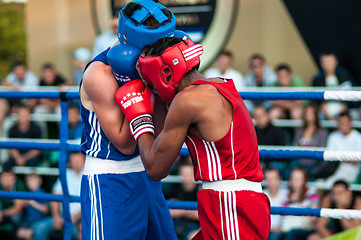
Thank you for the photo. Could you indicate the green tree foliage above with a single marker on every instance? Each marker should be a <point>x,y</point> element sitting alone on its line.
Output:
<point>12,36</point>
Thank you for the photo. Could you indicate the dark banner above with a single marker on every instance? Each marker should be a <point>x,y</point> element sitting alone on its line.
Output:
<point>333,26</point>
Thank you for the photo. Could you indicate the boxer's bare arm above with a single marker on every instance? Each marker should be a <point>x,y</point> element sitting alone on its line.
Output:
<point>158,155</point>
<point>204,112</point>
<point>97,95</point>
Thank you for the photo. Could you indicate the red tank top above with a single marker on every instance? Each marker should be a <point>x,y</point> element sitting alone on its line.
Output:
<point>235,155</point>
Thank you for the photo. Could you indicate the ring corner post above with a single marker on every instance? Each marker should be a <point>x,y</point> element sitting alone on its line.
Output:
<point>63,137</point>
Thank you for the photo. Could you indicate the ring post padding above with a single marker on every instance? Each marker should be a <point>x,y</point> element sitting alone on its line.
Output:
<point>63,137</point>
<point>72,95</point>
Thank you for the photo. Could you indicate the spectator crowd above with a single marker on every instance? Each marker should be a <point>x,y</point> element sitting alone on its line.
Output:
<point>288,182</point>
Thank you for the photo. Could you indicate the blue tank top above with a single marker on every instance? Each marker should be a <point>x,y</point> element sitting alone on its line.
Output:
<point>94,142</point>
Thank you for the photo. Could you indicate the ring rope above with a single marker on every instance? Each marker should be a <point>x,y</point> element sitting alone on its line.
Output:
<point>264,152</point>
<point>190,205</point>
<point>312,95</point>
<point>304,95</point>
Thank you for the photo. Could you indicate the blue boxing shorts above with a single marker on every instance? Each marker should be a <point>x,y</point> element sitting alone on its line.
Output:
<point>120,201</point>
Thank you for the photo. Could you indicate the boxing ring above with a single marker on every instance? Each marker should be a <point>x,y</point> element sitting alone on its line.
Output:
<point>63,146</point>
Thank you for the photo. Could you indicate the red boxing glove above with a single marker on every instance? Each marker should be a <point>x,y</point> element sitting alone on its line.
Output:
<point>137,103</point>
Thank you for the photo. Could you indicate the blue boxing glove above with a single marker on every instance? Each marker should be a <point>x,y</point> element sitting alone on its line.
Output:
<point>122,58</point>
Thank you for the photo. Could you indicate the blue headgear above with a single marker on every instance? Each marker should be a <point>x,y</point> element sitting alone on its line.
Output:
<point>140,35</point>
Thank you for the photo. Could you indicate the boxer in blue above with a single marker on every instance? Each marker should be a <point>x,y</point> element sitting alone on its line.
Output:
<point>118,199</point>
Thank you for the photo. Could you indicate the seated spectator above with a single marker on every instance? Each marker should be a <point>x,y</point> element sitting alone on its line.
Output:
<point>81,57</point>
<point>4,114</point>
<point>311,134</point>
<point>26,129</point>
<point>343,139</point>
<point>267,134</point>
<point>35,210</point>
<point>185,221</point>
<point>277,196</point>
<point>5,125</point>
<point>75,124</point>
<point>300,196</point>
<point>10,209</point>
<point>341,197</point>
<point>224,70</point>
<point>19,79</point>
<point>284,109</point>
<point>332,75</point>
<point>54,225</point>
<point>261,75</point>
<point>49,78</point>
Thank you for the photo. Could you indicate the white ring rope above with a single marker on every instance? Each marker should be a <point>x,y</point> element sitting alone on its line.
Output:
<point>342,95</point>
<point>341,156</point>
<point>340,213</point>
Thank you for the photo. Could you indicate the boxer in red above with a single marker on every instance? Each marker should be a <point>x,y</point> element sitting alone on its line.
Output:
<point>210,116</point>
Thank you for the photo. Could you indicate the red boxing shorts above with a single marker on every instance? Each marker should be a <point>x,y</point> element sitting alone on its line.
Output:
<point>233,215</point>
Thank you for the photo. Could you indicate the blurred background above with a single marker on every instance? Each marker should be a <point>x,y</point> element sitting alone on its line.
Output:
<point>271,45</point>
<point>294,31</point>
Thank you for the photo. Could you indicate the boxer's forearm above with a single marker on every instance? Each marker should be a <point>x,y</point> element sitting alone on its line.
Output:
<point>145,142</point>
<point>157,155</point>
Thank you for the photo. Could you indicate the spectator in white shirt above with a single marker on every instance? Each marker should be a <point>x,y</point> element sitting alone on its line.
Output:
<point>261,74</point>
<point>277,197</point>
<point>55,224</point>
<point>224,70</point>
<point>344,139</point>
<point>21,77</point>
<point>106,39</point>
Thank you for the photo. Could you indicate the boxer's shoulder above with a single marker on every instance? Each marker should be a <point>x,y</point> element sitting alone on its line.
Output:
<point>96,67</point>
<point>194,99</point>
<point>97,80</point>
<point>198,94</point>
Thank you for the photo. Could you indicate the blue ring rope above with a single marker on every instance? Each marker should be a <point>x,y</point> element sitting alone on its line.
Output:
<point>187,205</point>
<point>23,94</point>
<point>263,153</point>
<point>280,154</point>
<point>283,95</point>
<point>245,95</point>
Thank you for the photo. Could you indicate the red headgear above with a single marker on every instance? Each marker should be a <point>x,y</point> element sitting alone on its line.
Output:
<point>165,71</point>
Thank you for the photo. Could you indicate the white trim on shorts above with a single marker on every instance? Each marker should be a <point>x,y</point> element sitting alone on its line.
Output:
<point>233,185</point>
<point>101,166</point>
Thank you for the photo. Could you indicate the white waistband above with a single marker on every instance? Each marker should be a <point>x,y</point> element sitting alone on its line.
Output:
<point>102,166</point>
<point>233,185</point>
